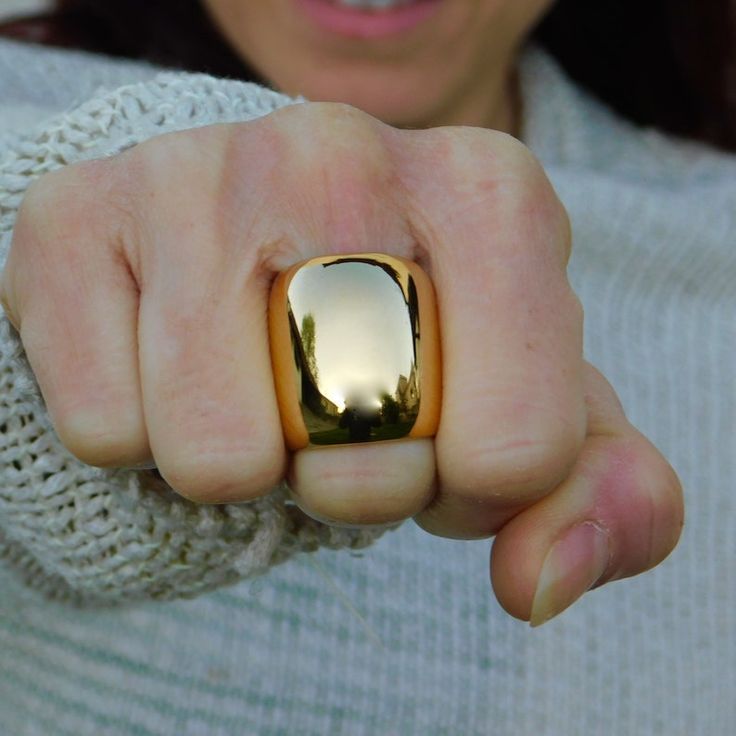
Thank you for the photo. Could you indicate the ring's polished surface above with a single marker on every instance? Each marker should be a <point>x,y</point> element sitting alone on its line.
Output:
<point>355,350</point>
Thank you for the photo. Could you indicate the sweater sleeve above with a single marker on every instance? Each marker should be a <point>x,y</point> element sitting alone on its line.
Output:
<point>88,535</point>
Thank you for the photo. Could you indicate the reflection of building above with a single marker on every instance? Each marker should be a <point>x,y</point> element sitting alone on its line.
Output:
<point>407,392</point>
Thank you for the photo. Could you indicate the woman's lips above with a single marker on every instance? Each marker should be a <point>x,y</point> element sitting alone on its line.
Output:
<point>360,23</point>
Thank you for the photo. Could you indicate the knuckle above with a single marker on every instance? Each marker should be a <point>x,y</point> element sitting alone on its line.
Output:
<point>46,191</point>
<point>173,172</point>
<point>533,201</point>
<point>330,134</point>
<point>176,150</point>
<point>324,118</point>
<point>57,190</point>
<point>484,166</point>
<point>254,150</point>
<point>291,162</point>
<point>470,151</point>
<point>64,215</point>
<point>61,204</point>
<point>329,165</point>
<point>341,112</point>
<point>41,211</point>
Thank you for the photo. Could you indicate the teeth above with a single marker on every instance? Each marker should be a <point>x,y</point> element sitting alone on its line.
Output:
<point>373,4</point>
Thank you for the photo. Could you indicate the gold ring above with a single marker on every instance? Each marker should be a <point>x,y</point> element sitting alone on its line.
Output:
<point>355,350</point>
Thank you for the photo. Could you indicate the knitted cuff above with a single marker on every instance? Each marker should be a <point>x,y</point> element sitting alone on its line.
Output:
<point>89,535</point>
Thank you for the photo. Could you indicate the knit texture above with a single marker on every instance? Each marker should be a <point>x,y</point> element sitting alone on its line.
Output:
<point>88,534</point>
<point>430,652</point>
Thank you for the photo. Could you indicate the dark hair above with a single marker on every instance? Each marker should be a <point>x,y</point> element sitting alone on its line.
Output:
<point>668,63</point>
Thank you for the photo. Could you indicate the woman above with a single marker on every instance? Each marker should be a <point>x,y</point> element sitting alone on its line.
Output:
<point>533,446</point>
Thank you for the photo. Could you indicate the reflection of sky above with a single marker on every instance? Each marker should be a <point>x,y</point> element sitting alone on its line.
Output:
<point>362,330</point>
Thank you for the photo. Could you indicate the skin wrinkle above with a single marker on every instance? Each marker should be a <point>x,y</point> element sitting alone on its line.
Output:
<point>357,474</point>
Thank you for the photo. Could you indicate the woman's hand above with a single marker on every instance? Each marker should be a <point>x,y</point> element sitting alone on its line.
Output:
<point>139,285</point>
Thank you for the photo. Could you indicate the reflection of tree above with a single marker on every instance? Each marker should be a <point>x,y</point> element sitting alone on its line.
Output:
<point>309,341</point>
<point>390,409</point>
<point>309,394</point>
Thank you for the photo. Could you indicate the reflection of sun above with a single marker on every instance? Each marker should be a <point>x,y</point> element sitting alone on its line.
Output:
<point>337,397</point>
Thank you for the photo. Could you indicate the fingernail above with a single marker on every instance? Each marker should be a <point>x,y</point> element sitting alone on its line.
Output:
<point>572,566</point>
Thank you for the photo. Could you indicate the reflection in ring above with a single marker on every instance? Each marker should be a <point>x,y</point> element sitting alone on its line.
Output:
<point>355,333</point>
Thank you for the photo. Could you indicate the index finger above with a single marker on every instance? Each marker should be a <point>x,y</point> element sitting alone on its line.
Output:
<point>513,414</point>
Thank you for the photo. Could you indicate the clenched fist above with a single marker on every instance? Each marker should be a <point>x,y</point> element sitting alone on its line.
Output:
<point>139,285</point>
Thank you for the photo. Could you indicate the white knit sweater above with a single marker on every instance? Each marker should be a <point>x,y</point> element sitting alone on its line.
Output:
<point>655,266</point>
<point>91,535</point>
